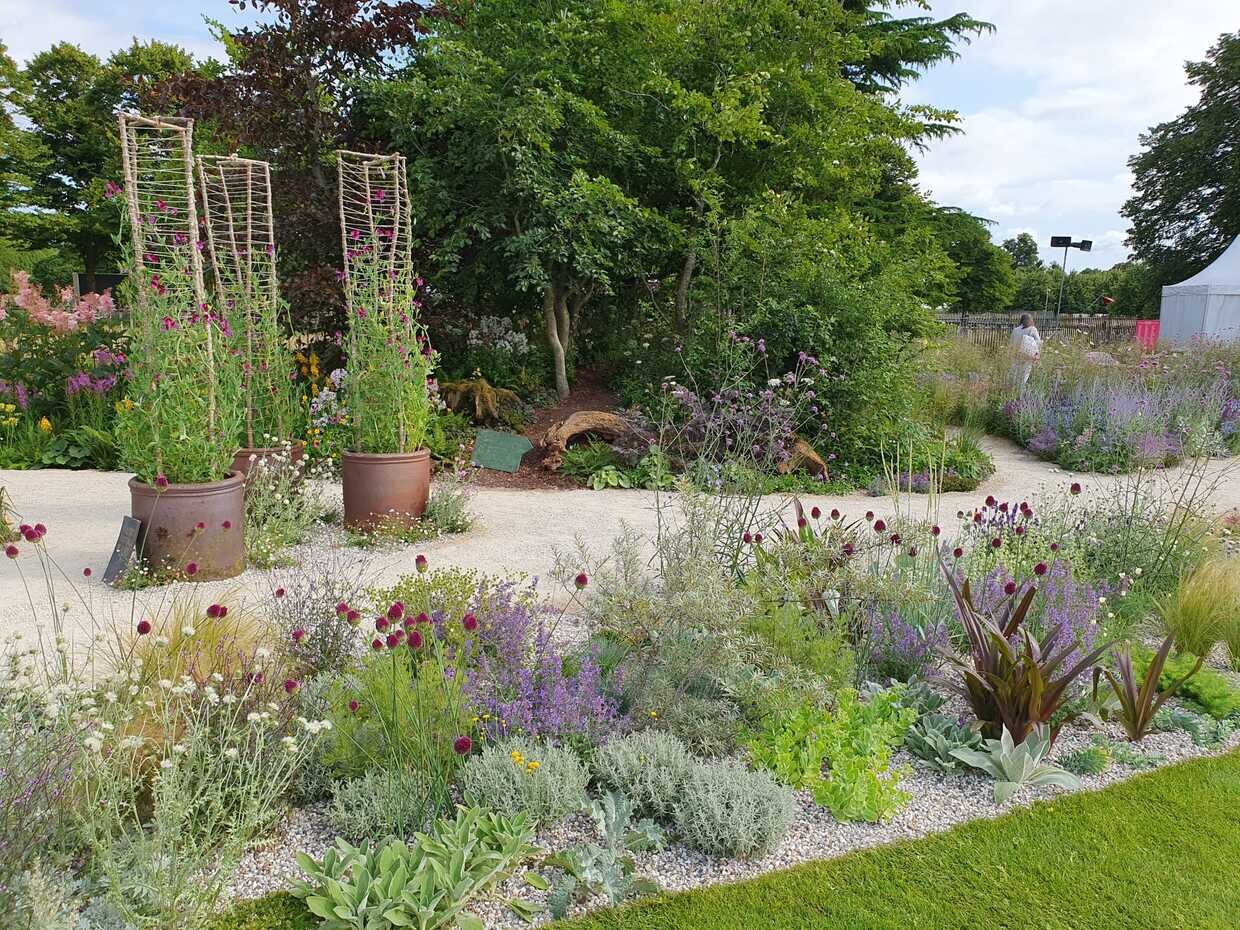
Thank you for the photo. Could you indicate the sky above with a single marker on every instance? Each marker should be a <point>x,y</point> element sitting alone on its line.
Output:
<point>1052,104</point>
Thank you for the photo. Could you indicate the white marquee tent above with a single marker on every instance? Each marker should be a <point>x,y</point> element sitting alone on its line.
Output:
<point>1207,305</point>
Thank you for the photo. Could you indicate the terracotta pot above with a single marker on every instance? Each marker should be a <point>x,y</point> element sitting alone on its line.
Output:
<point>170,539</point>
<point>246,457</point>
<point>384,488</point>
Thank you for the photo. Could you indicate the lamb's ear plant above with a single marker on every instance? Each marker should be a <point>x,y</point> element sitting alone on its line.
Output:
<point>1140,701</point>
<point>1014,766</point>
<point>426,884</point>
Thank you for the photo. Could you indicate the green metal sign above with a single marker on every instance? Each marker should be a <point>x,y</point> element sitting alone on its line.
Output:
<point>500,451</point>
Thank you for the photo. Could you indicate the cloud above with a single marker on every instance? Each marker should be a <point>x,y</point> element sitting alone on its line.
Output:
<point>31,26</point>
<point>1053,104</point>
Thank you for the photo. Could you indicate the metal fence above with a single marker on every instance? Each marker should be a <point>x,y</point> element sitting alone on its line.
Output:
<point>994,330</point>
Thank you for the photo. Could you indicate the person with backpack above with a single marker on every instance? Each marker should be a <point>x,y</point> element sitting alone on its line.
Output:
<point>1026,348</point>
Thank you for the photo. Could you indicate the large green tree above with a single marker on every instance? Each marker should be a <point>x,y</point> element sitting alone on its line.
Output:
<point>286,93</point>
<point>1024,251</point>
<point>985,282</point>
<point>69,99</point>
<point>564,150</point>
<point>1186,205</point>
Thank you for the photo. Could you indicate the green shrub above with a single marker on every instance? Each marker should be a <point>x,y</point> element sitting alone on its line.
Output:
<point>1092,760</point>
<point>450,589</point>
<point>649,767</point>
<point>856,739</point>
<point>726,810</point>
<point>381,804</point>
<point>544,782</point>
<point>1209,689</point>
<point>279,911</point>
<point>791,635</point>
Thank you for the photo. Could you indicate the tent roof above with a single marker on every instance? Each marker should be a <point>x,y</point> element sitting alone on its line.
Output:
<point>1220,276</point>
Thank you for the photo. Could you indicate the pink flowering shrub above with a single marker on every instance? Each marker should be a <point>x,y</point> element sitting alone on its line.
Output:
<point>63,359</point>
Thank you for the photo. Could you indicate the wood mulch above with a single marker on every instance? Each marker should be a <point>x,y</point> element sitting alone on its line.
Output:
<point>589,392</point>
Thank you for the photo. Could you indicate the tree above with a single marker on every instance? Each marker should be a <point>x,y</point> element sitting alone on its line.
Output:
<point>1024,251</point>
<point>652,123</point>
<point>70,99</point>
<point>1186,207</point>
<point>985,281</point>
<point>286,94</point>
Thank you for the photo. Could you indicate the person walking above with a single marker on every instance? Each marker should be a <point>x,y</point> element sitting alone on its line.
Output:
<point>1026,348</point>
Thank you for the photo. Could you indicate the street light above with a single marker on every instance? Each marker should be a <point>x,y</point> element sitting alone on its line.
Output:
<point>1065,243</point>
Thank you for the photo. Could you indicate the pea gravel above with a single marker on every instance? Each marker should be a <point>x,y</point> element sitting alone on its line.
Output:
<point>939,802</point>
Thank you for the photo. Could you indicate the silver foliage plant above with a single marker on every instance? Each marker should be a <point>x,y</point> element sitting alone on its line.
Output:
<point>1015,766</point>
<point>649,767</point>
<point>380,804</point>
<point>728,810</point>
<point>517,776</point>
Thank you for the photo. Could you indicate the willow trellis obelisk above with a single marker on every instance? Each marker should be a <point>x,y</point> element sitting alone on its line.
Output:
<point>157,160</point>
<point>236,196</point>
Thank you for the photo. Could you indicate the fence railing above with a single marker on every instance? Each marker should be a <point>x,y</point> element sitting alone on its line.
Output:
<point>994,330</point>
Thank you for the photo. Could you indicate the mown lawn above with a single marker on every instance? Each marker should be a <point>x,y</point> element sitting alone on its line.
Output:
<point>1158,852</point>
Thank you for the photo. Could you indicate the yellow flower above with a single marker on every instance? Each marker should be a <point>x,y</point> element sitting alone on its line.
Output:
<point>45,425</point>
<point>533,766</point>
<point>654,714</point>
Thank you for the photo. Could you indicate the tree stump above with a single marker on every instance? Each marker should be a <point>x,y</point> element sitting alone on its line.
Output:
<point>611,427</point>
<point>484,403</point>
<point>802,457</point>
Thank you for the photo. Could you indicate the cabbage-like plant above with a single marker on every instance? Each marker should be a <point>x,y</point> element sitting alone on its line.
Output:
<point>1014,766</point>
<point>1139,702</point>
<point>1012,680</point>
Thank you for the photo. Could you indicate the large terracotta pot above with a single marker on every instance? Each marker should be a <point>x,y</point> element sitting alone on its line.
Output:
<point>245,458</point>
<point>384,488</point>
<point>170,538</point>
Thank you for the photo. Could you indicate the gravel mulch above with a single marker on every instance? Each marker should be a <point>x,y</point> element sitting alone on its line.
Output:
<point>939,802</point>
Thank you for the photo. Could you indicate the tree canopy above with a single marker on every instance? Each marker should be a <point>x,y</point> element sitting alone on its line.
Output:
<point>59,167</point>
<point>564,150</point>
<point>1186,207</point>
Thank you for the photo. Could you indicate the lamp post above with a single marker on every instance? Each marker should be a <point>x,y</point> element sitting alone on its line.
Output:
<point>1065,243</point>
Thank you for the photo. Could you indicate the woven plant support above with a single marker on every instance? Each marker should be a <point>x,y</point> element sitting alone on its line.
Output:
<point>157,160</point>
<point>236,197</point>
<point>373,193</point>
<point>377,239</point>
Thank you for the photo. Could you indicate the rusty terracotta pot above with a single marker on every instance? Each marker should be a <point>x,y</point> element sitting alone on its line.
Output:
<point>170,538</point>
<point>246,457</point>
<point>384,487</point>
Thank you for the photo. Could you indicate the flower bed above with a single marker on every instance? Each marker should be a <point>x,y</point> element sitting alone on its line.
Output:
<point>773,688</point>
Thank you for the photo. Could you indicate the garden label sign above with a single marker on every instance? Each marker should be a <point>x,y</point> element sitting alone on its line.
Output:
<point>500,451</point>
<point>122,552</point>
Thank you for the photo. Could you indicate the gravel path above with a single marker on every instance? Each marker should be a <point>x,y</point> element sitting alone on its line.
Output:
<point>939,802</point>
<point>516,532</point>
